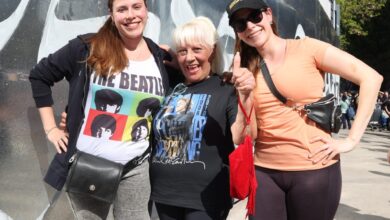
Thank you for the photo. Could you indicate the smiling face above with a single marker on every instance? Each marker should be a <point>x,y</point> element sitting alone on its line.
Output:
<point>130,18</point>
<point>196,44</point>
<point>255,34</point>
<point>195,61</point>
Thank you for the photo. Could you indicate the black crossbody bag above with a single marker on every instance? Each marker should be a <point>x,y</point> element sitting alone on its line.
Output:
<point>324,111</point>
<point>98,177</point>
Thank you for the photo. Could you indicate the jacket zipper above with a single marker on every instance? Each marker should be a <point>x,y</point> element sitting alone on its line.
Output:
<point>82,112</point>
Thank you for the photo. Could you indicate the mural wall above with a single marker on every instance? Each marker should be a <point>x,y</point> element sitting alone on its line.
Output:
<point>31,29</point>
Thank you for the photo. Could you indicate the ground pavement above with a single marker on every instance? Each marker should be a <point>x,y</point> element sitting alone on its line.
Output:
<point>366,180</point>
<point>365,194</point>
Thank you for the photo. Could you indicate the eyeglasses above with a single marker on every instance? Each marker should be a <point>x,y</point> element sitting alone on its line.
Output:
<point>239,25</point>
<point>178,90</point>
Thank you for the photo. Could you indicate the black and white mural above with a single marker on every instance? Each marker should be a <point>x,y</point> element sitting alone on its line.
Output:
<point>32,29</point>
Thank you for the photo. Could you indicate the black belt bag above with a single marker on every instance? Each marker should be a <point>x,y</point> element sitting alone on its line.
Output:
<point>98,177</point>
<point>324,111</point>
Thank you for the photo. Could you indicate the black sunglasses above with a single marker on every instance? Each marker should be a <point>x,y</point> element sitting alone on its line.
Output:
<point>255,16</point>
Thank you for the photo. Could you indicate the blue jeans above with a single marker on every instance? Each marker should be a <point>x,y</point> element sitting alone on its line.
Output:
<point>346,121</point>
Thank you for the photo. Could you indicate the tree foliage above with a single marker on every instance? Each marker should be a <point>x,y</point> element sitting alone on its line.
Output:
<point>365,33</point>
<point>356,15</point>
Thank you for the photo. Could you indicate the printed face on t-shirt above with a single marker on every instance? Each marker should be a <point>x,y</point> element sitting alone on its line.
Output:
<point>104,133</point>
<point>148,113</point>
<point>142,132</point>
<point>182,105</point>
<point>112,108</point>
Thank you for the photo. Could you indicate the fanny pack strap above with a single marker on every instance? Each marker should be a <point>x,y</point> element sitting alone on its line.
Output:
<point>270,83</point>
<point>129,165</point>
<point>136,161</point>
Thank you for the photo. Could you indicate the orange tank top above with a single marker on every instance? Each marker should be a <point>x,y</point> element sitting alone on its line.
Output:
<point>283,132</point>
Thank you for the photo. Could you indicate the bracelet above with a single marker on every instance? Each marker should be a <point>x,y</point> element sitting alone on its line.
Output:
<point>49,130</point>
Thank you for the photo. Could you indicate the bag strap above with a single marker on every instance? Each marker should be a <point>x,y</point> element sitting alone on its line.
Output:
<point>247,117</point>
<point>270,83</point>
<point>129,165</point>
<point>247,143</point>
<point>136,161</point>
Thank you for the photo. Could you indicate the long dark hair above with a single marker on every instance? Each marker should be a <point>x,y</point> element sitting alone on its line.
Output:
<point>106,53</point>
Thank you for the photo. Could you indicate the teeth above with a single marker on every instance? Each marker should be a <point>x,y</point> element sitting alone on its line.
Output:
<point>192,66</point>
<point>255,33</point>
<point>131,24</point>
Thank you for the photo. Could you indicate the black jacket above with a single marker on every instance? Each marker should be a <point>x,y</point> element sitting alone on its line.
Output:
<point>69,63</point>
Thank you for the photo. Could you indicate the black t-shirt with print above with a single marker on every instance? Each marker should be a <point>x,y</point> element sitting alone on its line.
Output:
<point>192,143</point>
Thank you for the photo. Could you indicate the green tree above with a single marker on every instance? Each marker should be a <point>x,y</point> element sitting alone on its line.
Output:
<point>365,33</point>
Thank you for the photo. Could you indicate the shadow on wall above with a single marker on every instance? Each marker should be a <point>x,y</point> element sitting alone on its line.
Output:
<point>346,212</point>
<point>40,144</point>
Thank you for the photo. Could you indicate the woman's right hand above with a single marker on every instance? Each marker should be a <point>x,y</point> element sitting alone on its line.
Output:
<point>173,61</point>
<point>59,138</point>
<point>62,124</point>
<point>242,78</point>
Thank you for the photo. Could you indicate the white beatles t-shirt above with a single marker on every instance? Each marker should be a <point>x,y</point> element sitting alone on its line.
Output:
<point>118,112</point>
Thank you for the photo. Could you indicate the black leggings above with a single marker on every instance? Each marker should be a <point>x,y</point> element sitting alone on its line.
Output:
<point>297,195</point>
<point>168,212</point>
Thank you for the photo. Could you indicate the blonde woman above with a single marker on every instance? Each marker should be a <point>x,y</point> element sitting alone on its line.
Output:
<point>189,166</point>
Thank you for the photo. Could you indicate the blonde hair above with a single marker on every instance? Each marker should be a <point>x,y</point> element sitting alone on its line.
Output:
<point>200,30</point>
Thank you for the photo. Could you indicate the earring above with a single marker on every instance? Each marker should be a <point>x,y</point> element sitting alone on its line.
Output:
<point>271,23</point>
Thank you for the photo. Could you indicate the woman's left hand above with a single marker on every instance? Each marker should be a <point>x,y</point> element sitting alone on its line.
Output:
<point>330,148</point>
